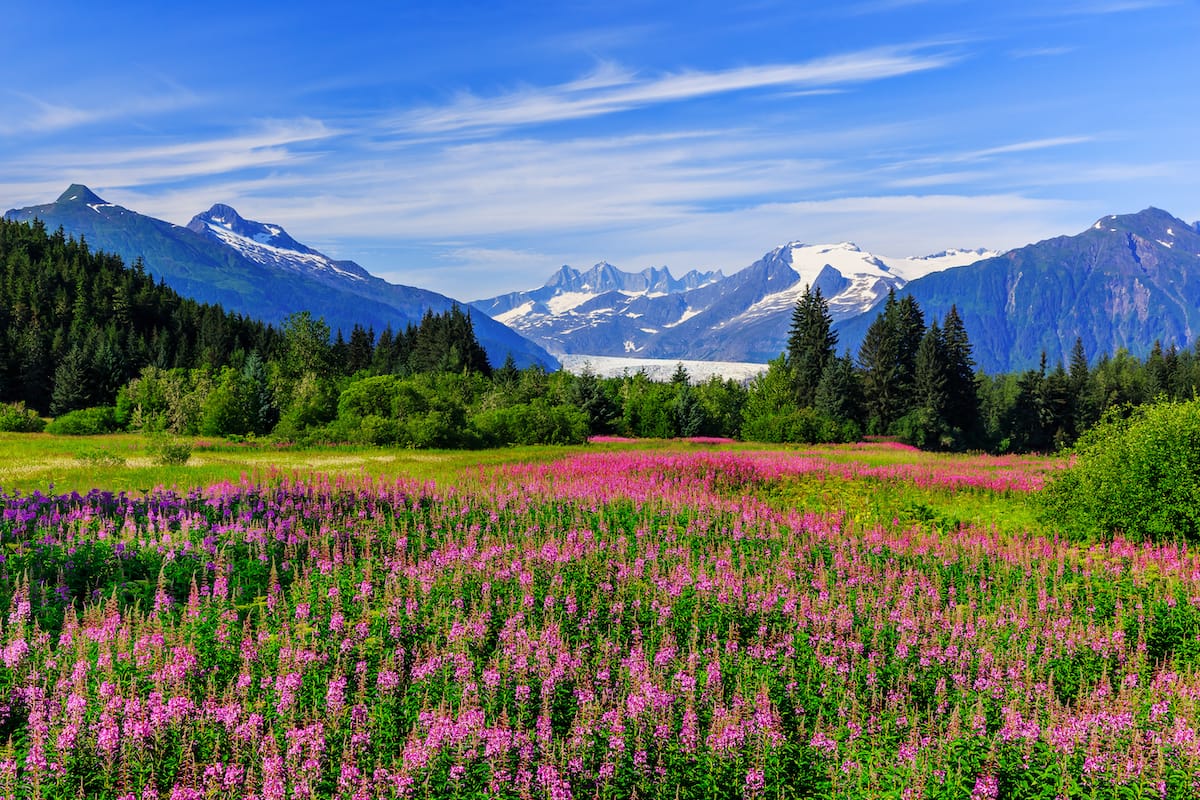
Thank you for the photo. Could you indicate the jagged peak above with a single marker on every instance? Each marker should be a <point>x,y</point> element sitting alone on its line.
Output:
<point>222,215</point>
<point>78,193</point>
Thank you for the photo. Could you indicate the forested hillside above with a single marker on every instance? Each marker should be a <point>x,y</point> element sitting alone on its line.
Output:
<point>77,325</point>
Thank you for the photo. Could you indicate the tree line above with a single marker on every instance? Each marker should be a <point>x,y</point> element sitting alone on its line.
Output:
<point>101,346</point>
<point>917,382</point>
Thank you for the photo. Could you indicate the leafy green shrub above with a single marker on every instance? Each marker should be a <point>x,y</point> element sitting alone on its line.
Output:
<point>85,422</point>
<point>170,451</point>
<point>532,423</point>
<point>16,418</point>
<point>798,425</point>
<point>1138,476</point>
<point>99,458</point>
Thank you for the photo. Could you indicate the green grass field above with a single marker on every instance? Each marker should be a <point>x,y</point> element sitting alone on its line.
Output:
<point>126,463</point>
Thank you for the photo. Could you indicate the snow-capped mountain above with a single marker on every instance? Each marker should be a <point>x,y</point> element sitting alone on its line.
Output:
<point>706,315</point>
<point>258,270</point>
<point>270,245</point>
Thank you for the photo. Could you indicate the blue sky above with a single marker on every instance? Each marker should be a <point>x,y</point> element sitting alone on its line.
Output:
<point>472,148</point>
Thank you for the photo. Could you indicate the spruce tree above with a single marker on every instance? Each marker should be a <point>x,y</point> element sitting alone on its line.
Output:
<point>962,412</point>
<point>839,395</point>
<point>811,343</point>
<point>908,326</point>
<point>70,383</point>
<point>1086,410</point>
<point>877,357</point>
<point>926,424</point>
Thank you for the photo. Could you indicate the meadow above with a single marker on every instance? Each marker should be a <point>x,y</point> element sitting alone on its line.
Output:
<point>661,620</point>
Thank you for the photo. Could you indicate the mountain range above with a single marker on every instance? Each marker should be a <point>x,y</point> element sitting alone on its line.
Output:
<point>257,269</point>
<point>1125,282</point>
<point>706,315</point>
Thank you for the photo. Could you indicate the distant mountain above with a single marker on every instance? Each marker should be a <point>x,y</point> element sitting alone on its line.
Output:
<point>705,315</point>
<point>259,270</point>
<point>1125,282</point>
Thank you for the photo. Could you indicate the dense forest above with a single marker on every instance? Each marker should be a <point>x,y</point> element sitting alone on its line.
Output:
<point>100,346</point>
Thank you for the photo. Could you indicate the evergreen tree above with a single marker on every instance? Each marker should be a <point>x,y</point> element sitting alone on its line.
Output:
<point>588,395</point>
<point>879,359</point>
<point>839,395</point>
<point>383,359</point>
<point>1026,420</point>
<point>908,326</point>
<point>1059,409</point>
<point>261,410</point>
<point>33,365</point>
<point>446,343</point>
<point>925,425</point>
<point>1085,409</point>
<point>961,413</point>
<point>508,374</point>
<point>360,351</point>
<point>690,419</point>
<point>811,343</point>
<point>70,383</point>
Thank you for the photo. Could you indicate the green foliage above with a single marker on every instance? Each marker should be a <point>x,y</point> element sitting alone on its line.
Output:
<point>537,422</point>
<point>168,450</point>
<point>75,324</point>
<point>888,358</point>
<point>85,422</point>
<point>770,413</point>
<point>1138,476</point>
<point>99,457</point>
<point>647,408</point>
<point>227,408</point>
<point>16,418</point>
<point>799,425</point>
<point>590,395</point>
<point>811,343</point>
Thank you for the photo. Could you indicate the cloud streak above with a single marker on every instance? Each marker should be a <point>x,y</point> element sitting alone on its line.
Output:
<point>38,115</point>
<point>611,90</point>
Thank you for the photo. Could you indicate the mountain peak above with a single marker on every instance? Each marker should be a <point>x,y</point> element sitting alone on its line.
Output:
<point>78,193</point>
<point>226,217</point>
<point>222,214</point>
<point>1150,223</point>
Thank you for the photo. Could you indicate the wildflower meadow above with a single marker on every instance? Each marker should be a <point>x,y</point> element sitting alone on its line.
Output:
<point>609,624</point>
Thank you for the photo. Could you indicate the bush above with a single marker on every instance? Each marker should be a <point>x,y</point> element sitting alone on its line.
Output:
<point>1138,476</point>
<point>85,422</point>
<point>170,451</point>
<point>798,425</point>
<point>532,423</point>
<point>16,418</point>
<point>99,458</point>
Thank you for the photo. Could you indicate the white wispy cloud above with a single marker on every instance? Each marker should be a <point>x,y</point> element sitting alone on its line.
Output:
<point>611,90</point>
<point>25,113</point>
<point>270,143</point>
<point>990,153</point>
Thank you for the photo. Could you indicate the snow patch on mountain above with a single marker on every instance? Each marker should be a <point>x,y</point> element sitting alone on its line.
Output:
<point>607,311</point>
<point>285,258</point>
<point>270,245</point>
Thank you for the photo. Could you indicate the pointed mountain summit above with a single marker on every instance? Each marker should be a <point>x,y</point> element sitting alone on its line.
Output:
<point>226,217</point>
<point>78,193</point>
<point>258,270</point>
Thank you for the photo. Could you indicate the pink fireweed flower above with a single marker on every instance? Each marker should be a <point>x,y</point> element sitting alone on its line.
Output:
<point>986,788</point>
